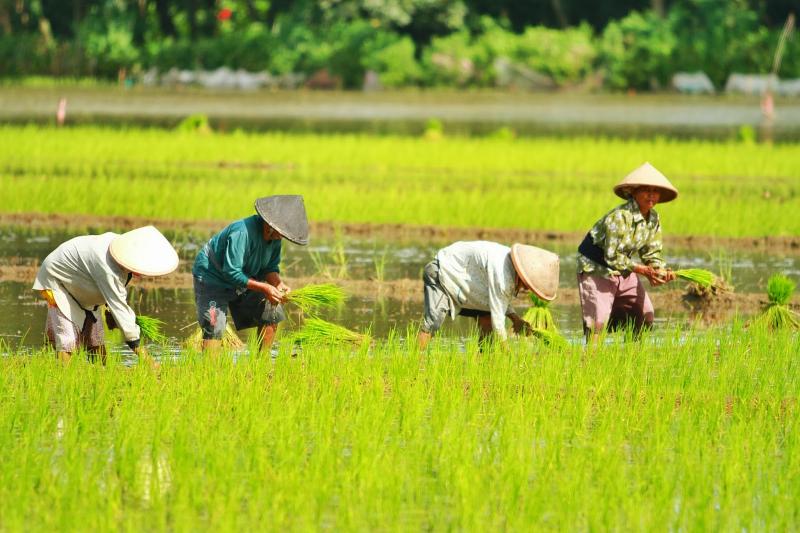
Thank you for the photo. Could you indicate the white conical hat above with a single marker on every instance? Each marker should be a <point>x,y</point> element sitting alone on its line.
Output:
<point>648,175</point>
<point>144,251</point>
<point>537,268</point>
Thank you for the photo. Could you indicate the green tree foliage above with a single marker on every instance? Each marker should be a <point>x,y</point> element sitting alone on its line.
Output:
<point>635,43</point>
<point>636,51</point>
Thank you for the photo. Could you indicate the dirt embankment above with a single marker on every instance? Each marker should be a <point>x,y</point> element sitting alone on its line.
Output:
<point>782,245</point>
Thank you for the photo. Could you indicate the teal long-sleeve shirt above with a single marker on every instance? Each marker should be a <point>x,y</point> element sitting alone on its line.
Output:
<point>240,253</point>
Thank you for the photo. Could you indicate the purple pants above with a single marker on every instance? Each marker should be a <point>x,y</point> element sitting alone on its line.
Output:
<point>614,302</point>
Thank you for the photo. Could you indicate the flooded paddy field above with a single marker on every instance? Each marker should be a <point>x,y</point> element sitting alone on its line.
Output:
<point>383,278</point>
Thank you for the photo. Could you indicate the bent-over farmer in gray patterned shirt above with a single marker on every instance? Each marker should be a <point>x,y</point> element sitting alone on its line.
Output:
<point>480,279</point>
<point>610,291</point>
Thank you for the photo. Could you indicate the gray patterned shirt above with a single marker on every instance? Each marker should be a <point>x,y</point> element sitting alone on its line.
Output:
<point>620,233</point>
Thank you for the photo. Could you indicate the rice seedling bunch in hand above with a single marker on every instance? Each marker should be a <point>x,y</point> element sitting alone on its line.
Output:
<point>704,278</point>
<point>777,315</point>
<point>539,315</point>
<point>703,283</point>
<point>318,331</point>
<point>312,297</point>
<point>549,337</point>
<point>150,328</point>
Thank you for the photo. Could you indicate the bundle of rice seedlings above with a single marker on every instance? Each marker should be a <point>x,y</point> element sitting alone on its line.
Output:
<point>150,328</point>
<point>777,315</point>
<point>539,315</point>
<point>312,297</point>
<point>703,278</point>
<point>550,337</point>
<point>230,340</point>
<point>318,331</point>
<point>703,283</point>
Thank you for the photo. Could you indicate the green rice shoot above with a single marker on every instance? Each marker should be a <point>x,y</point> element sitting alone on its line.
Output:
<point>777,315</point>
<point>780,289</point>
<point>550,337</point>
<point>150,328</point>
<point>312,297</point>
<point>230,340</point>
<point>316,331</point>
<point>705,278</point>
<point>539,315</point>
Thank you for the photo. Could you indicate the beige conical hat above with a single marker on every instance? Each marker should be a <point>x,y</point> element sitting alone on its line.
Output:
<point>144,251</point>
<point>649,175</point>
<point>537,268</point>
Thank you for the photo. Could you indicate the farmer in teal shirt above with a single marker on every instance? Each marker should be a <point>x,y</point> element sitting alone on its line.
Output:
<point>239,268</point>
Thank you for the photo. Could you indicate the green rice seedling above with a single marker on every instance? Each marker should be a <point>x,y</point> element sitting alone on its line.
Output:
<point>150,328</point>
<point>780,289</point>
<point>550,337</point>
<point>311,297</point>
<point>777,315</point>
<point>539,315</point>
<point>230,340</point>
<point>704,278</point>
<point>703,283</point>
<point>336,170</point>
<point>316,331</point>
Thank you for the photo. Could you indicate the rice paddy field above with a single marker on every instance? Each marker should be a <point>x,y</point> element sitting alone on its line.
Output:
<point>696,432</point>
<point>728,189</point>
<point>693,427</point>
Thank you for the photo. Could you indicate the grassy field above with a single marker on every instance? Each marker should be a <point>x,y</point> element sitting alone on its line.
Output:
<point>697,432</point>
<point>728,189</point>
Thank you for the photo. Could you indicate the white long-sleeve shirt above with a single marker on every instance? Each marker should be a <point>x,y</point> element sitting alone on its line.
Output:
<point>83,275</point>
<point>479,275</point>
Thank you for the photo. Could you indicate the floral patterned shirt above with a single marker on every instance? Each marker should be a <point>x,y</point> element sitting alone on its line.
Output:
<point>621,232</point>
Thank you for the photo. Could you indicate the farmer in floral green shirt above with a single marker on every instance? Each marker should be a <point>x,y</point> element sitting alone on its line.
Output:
<point>611,294</point>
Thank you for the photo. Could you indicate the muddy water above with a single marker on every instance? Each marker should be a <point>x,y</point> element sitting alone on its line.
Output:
<point>353,259</point>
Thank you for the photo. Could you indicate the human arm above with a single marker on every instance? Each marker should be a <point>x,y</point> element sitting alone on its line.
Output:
<point>519,325</point>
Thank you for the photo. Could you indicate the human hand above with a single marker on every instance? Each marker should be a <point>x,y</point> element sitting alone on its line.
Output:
<point>521,327</point>
<point>273,294</point>
<point>284,288</point>
<point>655,277</point>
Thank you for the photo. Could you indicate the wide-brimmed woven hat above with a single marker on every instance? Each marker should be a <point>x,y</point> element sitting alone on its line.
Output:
<point>144,251</point>
<point>537,268</point>
<point>287,214</point>
<point>647,175</point>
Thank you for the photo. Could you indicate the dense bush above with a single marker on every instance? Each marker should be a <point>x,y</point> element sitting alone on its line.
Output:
<point>565,55</point>
<point>641,50</point>
<point>636,51</point>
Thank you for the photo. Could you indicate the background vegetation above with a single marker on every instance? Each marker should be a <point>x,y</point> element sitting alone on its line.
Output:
<point>467,43</point>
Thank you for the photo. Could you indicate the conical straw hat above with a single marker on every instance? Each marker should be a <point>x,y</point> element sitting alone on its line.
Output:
<point>648,175</point>
<point>537,268</point>
<point>287,214</point>
<point>144,251</point>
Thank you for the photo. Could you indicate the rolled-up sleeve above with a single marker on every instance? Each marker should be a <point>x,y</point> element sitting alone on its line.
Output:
<point>617,226</point>
<point>233,261</point>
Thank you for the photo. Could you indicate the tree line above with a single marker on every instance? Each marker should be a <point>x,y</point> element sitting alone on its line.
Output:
<point>617,43</point>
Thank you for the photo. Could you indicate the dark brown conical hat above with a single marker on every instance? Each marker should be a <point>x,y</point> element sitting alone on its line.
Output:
<point>287,214</point>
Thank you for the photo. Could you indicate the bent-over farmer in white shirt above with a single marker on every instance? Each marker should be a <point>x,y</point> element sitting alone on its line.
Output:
<point>480,279</point>
<point>93,270</point>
